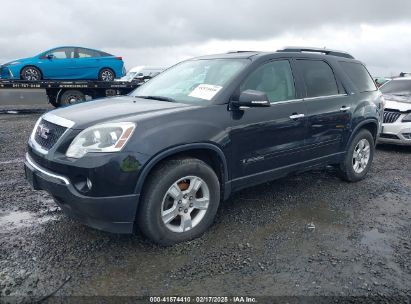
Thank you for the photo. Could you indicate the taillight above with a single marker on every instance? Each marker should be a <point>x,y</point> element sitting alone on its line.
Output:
<point>119,58</point>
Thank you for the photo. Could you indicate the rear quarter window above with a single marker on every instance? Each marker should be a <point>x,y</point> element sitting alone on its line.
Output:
<point>104,54</point>
<point>359,76</point>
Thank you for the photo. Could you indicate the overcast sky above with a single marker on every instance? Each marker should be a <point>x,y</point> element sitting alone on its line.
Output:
<point>163,32</point>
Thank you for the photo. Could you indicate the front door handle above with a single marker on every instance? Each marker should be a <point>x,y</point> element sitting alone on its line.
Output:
<point>344,108</point>
<point>296,116</point>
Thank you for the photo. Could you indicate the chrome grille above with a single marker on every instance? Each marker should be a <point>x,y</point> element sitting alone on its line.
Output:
<point>47,134</point>
<point>390,117</point>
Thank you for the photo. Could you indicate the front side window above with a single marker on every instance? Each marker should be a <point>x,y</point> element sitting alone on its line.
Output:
<point>318,77</point>
<point>62,53</point>
<point>359,76</point>
<point>193,81</point>
<point>274,78</point>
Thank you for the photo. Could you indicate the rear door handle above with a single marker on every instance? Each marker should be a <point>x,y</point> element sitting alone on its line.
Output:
<point>296,116</point>
<point>344,108</point>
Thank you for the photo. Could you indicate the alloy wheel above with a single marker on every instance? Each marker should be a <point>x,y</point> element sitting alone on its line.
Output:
<point>31,74</point>
<point>361,156</point>
<point>185,204</point>
<point>107,75</point>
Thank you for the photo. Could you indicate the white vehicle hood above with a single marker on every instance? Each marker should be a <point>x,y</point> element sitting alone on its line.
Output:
<point>400,103</point>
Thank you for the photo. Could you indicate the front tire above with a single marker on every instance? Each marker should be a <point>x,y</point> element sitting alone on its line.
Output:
<point>358,158</point>
<point>30,73</point>
<point>179,202</point>
<point>106,74</point>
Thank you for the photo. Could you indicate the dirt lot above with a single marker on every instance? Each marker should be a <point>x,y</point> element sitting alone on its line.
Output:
<point>310,234</point>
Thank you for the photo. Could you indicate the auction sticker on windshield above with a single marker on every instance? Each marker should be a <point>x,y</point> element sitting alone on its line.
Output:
<point>205,91</point>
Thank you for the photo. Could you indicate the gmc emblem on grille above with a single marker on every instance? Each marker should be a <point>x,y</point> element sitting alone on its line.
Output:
<point>43,132</point>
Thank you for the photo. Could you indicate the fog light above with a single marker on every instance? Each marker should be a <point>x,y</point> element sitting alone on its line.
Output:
<point>407,135</point>
<point>82,183</point>
<point>89,183</point>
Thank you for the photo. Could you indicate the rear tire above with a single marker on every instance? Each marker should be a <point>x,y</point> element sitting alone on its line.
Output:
<point>359,156</point>
<point>71,97</point>
<point>106,74</point>
<point>30,73</point>
<point>179,202</point>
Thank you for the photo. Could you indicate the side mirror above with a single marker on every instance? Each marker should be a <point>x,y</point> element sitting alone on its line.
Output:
<point>50,56</point>
<point>251,99</point>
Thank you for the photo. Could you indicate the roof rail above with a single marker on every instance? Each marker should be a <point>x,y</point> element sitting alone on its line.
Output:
<point>316,50</point>
<point>235,51</point>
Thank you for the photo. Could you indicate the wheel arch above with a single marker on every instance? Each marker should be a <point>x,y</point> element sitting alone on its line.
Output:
<point>207,152</point>
<point>370,124</point>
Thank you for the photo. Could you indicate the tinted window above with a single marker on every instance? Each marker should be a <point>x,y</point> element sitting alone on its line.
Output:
<point>274,78</point>
<point>62,53</point>
<point>84,53</point>
<point>359,76</point>
<point>318,77</point>
<point>104,54</point>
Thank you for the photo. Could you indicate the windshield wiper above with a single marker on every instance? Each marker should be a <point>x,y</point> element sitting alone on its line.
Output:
<point>154,97</point>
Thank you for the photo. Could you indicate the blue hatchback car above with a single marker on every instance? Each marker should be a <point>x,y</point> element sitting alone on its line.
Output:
<point>68,62</point>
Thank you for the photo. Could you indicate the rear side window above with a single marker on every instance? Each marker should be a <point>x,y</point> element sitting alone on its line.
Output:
<point>86,53</point>
<point>318,77</point>
<point>359,76</point>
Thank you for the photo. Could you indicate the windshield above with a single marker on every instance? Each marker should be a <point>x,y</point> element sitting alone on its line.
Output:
<point>397,87</point>
<point>193,81</point>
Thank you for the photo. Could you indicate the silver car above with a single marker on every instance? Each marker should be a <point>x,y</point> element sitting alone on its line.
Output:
<point>396,128</point>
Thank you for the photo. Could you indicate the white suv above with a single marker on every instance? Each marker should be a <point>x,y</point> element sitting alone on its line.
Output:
<point>397,113</point>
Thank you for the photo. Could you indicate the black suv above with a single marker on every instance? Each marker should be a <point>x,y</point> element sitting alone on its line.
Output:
<point>163,157</point>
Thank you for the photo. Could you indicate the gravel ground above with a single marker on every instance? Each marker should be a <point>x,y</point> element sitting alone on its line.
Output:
<point>305,235</point>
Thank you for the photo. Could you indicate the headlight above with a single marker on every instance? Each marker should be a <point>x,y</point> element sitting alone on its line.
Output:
<point>407,118</point>
<point>110,137</point>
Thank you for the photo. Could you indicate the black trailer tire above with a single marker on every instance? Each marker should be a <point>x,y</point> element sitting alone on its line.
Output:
<point>30,73</point>
<point>169,213</point>
<point>359,156</point>
<point>106,74</point>
<point>71,97</point>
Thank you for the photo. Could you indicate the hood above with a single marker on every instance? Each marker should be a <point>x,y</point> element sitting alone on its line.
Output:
<point>22,60</point>
<point>124,108</point>
<point>395,102</point>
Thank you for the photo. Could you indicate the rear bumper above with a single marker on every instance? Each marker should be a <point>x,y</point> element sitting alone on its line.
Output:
<point>113,214</point>
<point>398,133</point>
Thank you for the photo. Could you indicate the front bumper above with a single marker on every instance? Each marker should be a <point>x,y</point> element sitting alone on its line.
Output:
<point>398,133</point>
<point>6,72</point>
<point>113,214</point>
